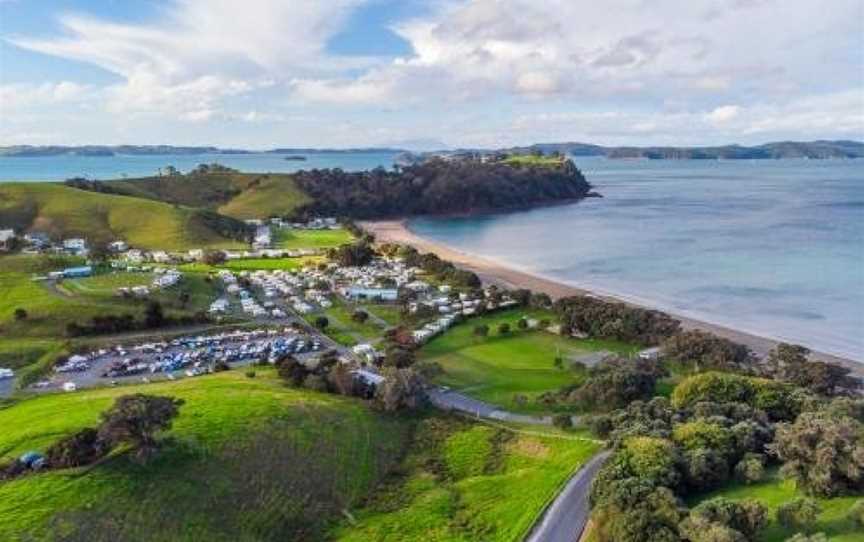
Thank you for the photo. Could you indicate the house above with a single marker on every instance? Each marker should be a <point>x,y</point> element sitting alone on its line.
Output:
<point>196,254</point>
<point>118,246</point>
<point>77,272</point>
<point>37,239</point>
<point>650,354</point>
<point>375,294</point>
<point>134,255</point>
<point>76,246</point>
<point>160,256</point>
<point>7,238</point>
<point>368,377</point>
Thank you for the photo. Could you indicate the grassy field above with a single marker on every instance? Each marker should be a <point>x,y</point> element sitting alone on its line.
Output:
<point>247,459</point>
<point>775,491</point>
<point>65,212</point>
<point>271,195</point>
<point>531,160</point>
<point>310,239</point>
<point>465,482</point>
<point>253,264</point>
<point>239,195</point>
<point>496,368</point>
<point>346,331</point>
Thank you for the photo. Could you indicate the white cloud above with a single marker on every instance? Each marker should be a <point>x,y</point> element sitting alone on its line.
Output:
<point>24,95</point>
<point>634,49</point>
<point>722,114</point>
<point>204,50</point>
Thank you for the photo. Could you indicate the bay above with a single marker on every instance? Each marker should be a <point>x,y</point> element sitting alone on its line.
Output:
<point>775,248</point>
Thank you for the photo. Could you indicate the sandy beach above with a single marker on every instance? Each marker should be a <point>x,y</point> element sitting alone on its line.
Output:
<point>396,231</point>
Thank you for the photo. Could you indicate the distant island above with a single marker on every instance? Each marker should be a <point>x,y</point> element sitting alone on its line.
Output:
<point>820,149</point>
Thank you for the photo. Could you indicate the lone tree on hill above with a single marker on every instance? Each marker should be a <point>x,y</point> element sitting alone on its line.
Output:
<point>136,419</point>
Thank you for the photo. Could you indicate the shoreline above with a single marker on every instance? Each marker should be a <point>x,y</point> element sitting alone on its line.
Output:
<point>492,272</point>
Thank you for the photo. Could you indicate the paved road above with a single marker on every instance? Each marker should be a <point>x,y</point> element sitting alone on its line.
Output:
<point>566,517</point>
<point>453,400</point>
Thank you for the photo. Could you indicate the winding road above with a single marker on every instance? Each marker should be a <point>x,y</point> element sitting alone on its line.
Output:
<point>565,518</point>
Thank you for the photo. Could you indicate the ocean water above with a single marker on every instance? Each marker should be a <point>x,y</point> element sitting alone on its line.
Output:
<point>58,168</point>
<point>771,247</point>
<point>775,248</point>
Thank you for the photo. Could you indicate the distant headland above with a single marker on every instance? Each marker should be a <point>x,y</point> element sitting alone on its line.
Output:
<point>819,149</point>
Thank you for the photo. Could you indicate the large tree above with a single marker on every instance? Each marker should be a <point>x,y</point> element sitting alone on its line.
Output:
<point>136,420</point>
<point>823,453</point>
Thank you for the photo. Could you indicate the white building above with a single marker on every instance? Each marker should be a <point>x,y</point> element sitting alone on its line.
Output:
<point>6,238</point>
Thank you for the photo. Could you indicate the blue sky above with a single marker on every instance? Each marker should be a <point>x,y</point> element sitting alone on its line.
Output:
<point>266,73</point>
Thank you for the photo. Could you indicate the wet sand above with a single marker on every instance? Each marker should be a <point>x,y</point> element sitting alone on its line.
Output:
<point>395,231</point>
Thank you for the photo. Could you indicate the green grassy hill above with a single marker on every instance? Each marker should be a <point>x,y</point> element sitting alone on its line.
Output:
<point>247,459</point>
<point>234,194</point>
<point>64,212</point>
<point>464,482</point>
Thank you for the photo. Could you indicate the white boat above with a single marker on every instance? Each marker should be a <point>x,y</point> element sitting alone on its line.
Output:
<point>6,373</point>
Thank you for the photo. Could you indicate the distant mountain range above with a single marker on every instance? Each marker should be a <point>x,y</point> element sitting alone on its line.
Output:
<point>782,149</point>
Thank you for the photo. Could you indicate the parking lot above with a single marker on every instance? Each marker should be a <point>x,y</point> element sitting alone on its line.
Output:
<point>182,357</point>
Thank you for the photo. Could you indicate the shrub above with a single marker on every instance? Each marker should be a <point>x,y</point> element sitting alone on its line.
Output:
<point>522,324</point>
<point>562,421</point>
<point>750,469</point>
<point>360,316</point>
<point>250,374</point>
<point>503,328</point>
<point>705,469</point>
<point>20,314</point>
<point>321,322</point>
<point>81,448</point>
<point>702,434</point>
<point>221,366</point>
<point>720,519</point>
<point>135,419</point>
<point>856,513</point>
<point>800,513</point>
<point>801,537</point>
<point>481,331</point>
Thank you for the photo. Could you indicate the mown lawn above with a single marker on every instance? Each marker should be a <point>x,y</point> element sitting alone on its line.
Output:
<point>775,491</point>
<point>310,239</point>
<point>497,368</point>
<point>253,264</point>
<point>531,160</point>
<point>468,482</point>
<point>344,330</point>
<point>247,459</point>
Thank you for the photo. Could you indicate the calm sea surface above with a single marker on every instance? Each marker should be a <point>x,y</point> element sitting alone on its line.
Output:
<point>771,247</point>
<point>58,168</point>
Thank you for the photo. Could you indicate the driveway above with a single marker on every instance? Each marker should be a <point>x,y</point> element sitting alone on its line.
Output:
<point>446,399</point>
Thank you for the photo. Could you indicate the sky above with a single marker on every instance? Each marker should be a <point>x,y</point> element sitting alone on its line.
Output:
<point>462,73</point>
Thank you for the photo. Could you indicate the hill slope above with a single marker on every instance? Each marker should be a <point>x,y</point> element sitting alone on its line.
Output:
<point>247,459</point>
<point>239,195</point>
<point>63,211</point>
